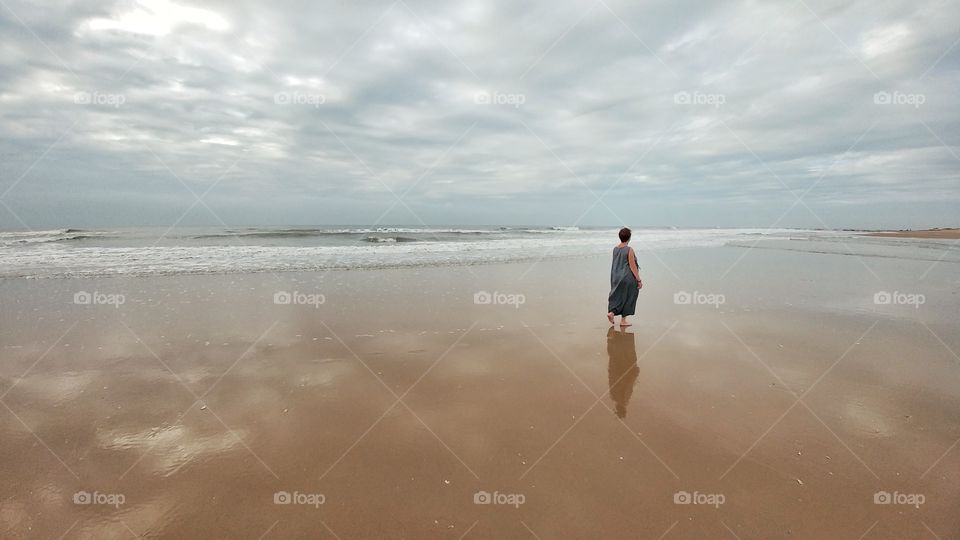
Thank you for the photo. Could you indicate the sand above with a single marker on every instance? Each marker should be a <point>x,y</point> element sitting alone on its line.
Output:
<point>926,233</point>
<point>392,408</point>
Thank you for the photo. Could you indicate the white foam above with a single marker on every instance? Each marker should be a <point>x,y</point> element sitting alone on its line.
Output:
<point>74,259</point>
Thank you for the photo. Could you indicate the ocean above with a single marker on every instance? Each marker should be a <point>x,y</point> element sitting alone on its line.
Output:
<point>61,253</point>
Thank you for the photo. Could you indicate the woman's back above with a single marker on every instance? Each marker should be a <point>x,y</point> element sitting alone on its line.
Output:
<point>624,280</point>
<point>620,267</point>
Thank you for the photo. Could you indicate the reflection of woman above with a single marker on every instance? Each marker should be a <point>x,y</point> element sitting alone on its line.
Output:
<point>622,371</point>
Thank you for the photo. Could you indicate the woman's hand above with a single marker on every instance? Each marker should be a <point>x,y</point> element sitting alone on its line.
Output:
<point>639,283</point>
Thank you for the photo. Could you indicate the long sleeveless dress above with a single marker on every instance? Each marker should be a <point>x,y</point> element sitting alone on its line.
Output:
<point>623,285</point>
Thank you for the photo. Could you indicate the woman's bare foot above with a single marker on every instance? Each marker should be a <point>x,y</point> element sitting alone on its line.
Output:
<point>610,317</point>
<point>624,323</point>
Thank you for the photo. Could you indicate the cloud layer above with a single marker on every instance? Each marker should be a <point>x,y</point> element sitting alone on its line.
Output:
<point>793,113</point>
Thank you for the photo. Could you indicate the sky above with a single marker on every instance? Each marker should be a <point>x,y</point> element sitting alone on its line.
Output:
<point>794,113</point>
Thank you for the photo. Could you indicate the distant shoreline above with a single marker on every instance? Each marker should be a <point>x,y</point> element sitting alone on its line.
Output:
<point>948,233</point>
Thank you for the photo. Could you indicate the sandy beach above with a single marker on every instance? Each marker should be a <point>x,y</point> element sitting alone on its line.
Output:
<point>353,270</point>
<point>951,234</point>
<point>780,400</point>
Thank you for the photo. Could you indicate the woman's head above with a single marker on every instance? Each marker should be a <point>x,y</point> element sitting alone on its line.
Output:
<point>624,234</point>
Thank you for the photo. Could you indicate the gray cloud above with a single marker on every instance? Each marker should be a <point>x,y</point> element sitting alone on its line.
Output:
<point>676,113</point>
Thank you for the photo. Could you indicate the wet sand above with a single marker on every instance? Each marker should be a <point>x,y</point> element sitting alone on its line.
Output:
<point>387,410</point>
<point>950,234</point>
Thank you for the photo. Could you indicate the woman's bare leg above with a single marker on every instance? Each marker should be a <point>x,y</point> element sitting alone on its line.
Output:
<point>610,317</point>
<point>623,321</point>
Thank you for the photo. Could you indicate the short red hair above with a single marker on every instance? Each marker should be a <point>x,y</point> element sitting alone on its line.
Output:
<point>624,234</point>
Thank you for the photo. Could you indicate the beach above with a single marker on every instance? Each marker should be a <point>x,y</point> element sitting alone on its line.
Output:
<point>952,234</point>
<point>805,390</point>
<point>358,270</point>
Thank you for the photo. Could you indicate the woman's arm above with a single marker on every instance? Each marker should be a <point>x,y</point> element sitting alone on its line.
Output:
<point>632,260</point>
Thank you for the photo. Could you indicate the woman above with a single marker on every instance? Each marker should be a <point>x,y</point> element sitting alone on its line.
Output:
<point>625,281</point>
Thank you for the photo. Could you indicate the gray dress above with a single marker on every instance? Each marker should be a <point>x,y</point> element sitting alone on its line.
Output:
<point>623,284</point>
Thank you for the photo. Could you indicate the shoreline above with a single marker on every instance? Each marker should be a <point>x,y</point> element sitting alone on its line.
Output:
<point>128,257</point>
<point>946,233</point>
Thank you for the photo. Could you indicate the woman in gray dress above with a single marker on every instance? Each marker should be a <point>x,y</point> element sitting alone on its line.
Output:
<point>625,281</point>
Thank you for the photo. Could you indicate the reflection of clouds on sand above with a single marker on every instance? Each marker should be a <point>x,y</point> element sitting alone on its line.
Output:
<point>14,516</point>
<point>146,518</point>
<point>866,420</point>
<point>49,494</point>
<point>467,366</point>
<point>327,373</point>
<point>172,447</point>
<point>56,388</point>
<point>17,514</point>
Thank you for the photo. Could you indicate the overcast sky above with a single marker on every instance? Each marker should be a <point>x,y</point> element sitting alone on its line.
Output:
<point>802,113</point>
